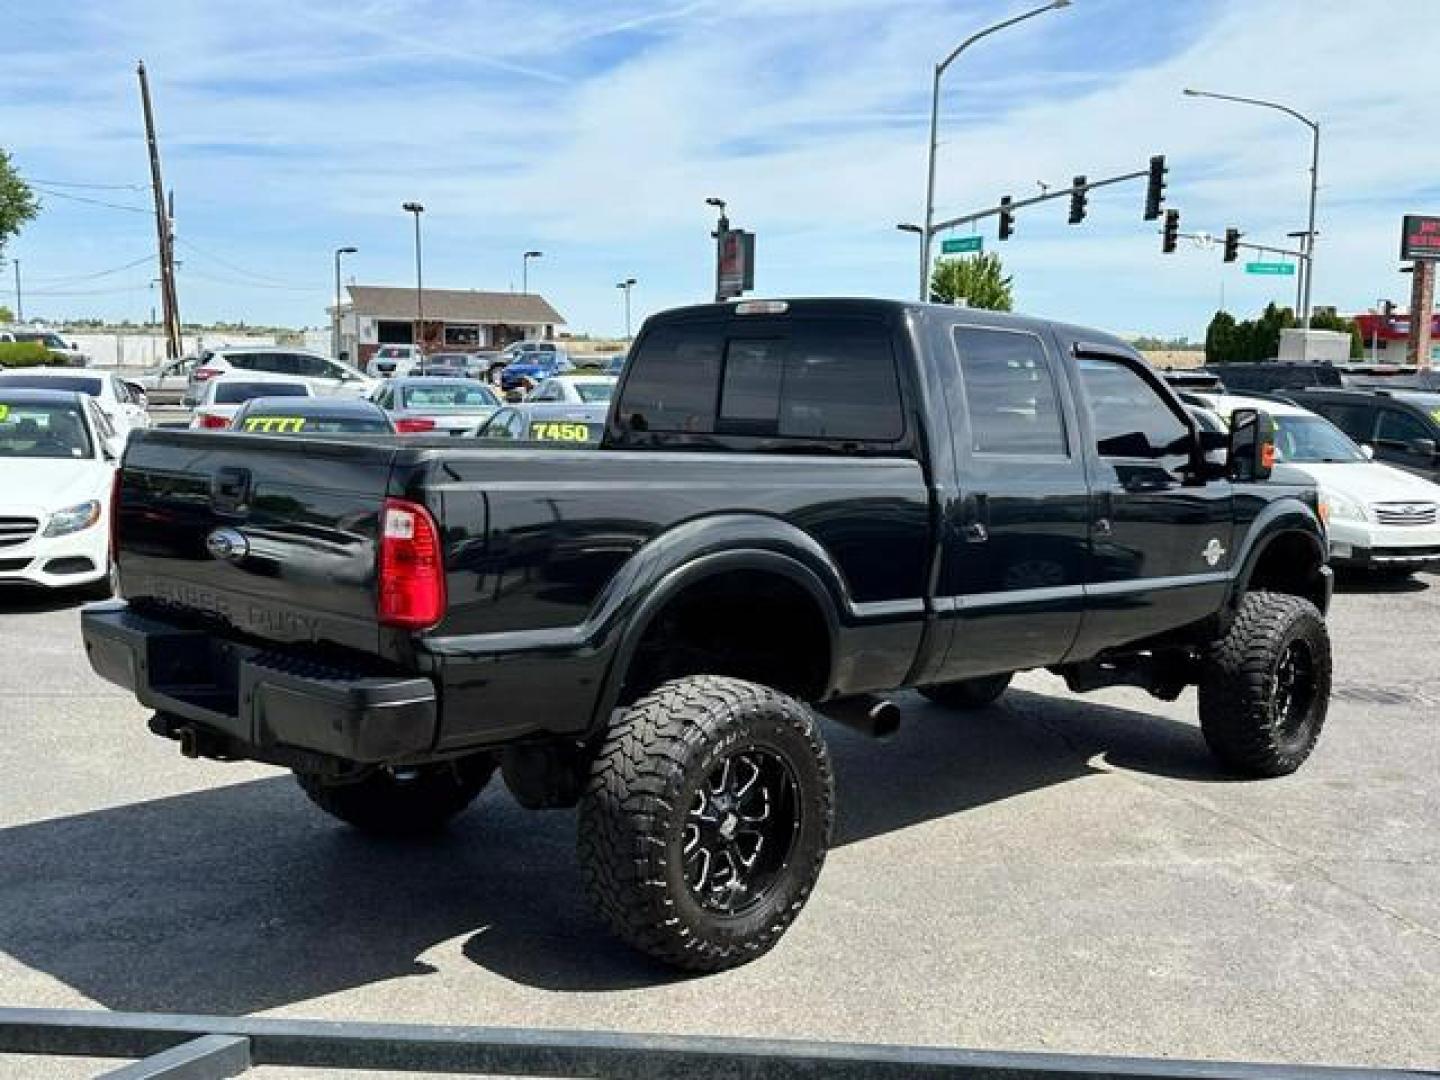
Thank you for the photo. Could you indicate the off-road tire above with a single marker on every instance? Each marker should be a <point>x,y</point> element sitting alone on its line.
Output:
<point>636,818</point>
<point>401,803</point>
<point>968,693</point>
<point>1243,700</point>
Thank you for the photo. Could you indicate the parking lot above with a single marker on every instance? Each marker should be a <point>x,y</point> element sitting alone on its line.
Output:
<point>1056,873</point>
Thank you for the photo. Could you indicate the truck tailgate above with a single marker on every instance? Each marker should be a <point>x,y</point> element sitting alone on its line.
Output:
<point>272,537</point>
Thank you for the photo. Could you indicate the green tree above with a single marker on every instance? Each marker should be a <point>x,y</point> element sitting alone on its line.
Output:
<point>1327,319</point>
<point>1220,339</point>
<point>17,202</point>
<point>979,280</point>
<point>6,315</point>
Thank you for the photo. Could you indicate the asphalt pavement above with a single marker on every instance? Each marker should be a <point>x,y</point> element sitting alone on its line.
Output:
<point>1056,872</point>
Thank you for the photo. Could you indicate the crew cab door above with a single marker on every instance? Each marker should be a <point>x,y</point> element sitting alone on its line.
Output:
<point>1161,542</point>
<point>1015,544</point>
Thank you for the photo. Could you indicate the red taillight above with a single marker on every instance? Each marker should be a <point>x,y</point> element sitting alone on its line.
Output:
<point>205,373</point>
<point>414,424</point>
<point>115,486</point>
<point>212,421</point>
<point>412,570</point>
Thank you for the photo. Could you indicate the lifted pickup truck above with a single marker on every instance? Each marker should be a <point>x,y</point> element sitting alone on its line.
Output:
<point>797,506</point>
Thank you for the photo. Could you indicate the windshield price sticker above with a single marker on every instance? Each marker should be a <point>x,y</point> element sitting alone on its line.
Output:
<point>275,425</point>
<point>557,432</point>
<point>4,413</point>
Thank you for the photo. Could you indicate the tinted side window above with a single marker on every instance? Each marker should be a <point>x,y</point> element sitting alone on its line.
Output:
<point>311,367</point>
<point>675,379</point>
<point>1357,421</point>
<point>1130,419</point>
<point>1009,393</point>
<point>1399,429</point>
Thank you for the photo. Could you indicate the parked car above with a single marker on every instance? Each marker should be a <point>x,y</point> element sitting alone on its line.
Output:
<point>615,365</point>
<point>395,361</point>
<point>301,415</point>
<point>797,505</point>
<point>222,398</point>
<point>168,383</point>
<point>323,375</point>
<point>574,390</point>
<point>118,400</point>
<point>1380,518</point>
<point>1275,375</point>
<point>424,404</point>
<point>581,425</point>
<point>58,455</point>
<point>458,365</point>
<point>532,361</point>
<point>64,352</point>
<point>1402,425</point>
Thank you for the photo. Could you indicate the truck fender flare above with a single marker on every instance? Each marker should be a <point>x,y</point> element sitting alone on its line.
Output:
<point>713,546</point>
<point>1287,517</point>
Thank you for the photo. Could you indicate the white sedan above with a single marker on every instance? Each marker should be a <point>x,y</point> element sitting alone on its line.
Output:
<point>1380,517</point>
<point>222,397</point>
<point>58,457</point>
<point>121,406</point>
<point>574,390</point>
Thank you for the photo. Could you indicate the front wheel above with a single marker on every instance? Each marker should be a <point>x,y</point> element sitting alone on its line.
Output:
<point>401,802</point>
<point>1265,686</point>
<point>706,821</point>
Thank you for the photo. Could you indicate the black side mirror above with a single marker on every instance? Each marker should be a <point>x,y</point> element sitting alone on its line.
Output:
<point>1252,445</point>
<point>1423,447</point>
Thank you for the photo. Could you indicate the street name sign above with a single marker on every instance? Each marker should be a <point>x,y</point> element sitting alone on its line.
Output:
<point>1282,269</point>
<point>960,244</point>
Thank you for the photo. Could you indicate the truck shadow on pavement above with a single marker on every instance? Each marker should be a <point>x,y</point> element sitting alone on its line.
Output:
<point>245,898</point>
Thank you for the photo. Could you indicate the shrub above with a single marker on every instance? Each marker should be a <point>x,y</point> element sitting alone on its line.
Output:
<point>15,354</point>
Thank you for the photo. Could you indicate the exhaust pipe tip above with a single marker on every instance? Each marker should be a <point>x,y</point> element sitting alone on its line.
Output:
<point>876,717</point>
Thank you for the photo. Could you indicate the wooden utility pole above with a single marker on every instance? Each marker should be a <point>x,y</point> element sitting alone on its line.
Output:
<point>164,228</point>
<point>1422,303</point>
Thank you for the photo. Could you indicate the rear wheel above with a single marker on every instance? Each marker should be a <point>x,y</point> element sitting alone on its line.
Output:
<point>1265,686</point>
<point>706,821</point>
<point>401,802</point>
<point>968,693</point>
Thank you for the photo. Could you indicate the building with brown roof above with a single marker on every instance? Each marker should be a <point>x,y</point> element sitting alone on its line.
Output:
<point>455,320</point>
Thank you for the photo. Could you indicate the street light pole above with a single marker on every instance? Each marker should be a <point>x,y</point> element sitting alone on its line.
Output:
<point>416,209</point>
<point>935,129</point>
<point>625,286</point>
<point>335,322</point>
<point>525,269</point>
<point>19,297</point>
<point>1308,246</point>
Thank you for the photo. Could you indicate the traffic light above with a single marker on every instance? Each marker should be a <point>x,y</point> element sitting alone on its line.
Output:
<point>1232,245</point>
<point>1155,191</point>
<point>1077,200</point>
<point>1389,309</point>
<point>1007,218</point>
<point>1172,231</point>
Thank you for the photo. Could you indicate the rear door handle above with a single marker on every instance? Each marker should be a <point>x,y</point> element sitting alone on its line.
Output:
<point>1104,513</point>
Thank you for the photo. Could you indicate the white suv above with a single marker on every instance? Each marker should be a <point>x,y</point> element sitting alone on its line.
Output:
<point>395,361</point>
<point>324,376</point>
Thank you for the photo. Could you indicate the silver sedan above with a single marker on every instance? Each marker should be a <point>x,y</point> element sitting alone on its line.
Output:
<point>441,406</point>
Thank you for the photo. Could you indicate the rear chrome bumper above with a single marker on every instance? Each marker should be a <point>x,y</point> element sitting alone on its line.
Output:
<point>259,702</point>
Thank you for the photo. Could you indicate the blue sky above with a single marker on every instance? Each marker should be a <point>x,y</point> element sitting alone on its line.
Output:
<point>595,131</point>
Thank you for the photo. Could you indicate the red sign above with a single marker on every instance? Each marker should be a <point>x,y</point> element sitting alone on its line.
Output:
<point>1420,237</point>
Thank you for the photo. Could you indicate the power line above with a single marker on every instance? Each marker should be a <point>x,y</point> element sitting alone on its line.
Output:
<point>90,201</point>
<point>242,283</point>
<point>96,187</point>
<point>86,292</point>
<point>68,279</point>
<point>263,279</point>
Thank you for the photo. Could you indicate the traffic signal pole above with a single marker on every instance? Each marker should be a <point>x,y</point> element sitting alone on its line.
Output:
<point>1016,204</point>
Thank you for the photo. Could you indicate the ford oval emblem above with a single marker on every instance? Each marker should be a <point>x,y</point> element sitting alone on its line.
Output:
<point>227,544</point>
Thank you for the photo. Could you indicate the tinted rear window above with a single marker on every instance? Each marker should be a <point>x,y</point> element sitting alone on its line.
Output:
<point>78,384</point>
<point>232,393</point>
<point>806,380</point>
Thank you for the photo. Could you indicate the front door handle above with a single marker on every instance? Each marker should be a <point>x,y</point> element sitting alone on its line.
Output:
<point>975,518</point>
<point>1104,514</point>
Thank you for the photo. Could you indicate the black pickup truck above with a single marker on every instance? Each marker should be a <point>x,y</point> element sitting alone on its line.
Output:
<point>797,506</point>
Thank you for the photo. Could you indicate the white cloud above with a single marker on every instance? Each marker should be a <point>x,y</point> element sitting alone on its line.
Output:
<point>597,132</point>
